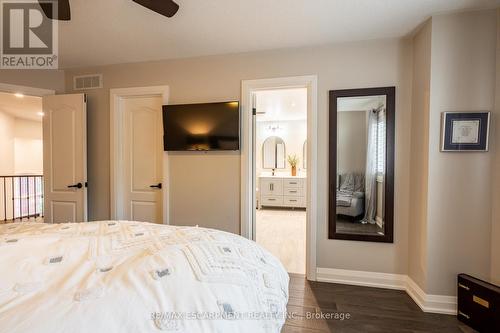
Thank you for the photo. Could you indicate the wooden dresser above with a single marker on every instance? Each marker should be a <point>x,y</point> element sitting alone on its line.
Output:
<point>277,191</point>
<point>478,304</point>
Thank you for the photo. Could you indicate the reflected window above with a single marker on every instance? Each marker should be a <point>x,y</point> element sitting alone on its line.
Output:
<point>381,142</point>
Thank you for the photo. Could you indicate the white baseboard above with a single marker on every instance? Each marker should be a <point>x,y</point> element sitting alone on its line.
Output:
<point>360,278</point>
<point>431,303</point>
<point>428,303</point>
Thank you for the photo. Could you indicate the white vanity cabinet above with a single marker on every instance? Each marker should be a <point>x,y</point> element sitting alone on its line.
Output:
<point>279,191</point>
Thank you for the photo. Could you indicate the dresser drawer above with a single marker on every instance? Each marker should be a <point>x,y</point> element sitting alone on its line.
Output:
<point>271,200</point>
<point>293,192</point>
<point>271,186</point>
<point>293,201</point>
<point>478,304</point>
<point>292,182</point>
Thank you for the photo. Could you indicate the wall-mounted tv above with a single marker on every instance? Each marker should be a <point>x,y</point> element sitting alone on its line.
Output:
<point>201,127</point>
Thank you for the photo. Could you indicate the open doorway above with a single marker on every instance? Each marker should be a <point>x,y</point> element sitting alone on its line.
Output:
<point>21,159</point>
<point>253,197</point>
<point>281,174</point>
<point>45,176</point>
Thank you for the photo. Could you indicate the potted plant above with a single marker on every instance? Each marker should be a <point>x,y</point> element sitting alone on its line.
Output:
<point>293,160</point>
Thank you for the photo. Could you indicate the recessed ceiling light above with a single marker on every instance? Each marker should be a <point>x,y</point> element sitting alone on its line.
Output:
<point>293,104</point>
<point>41,114</point>
<point>19,95</point>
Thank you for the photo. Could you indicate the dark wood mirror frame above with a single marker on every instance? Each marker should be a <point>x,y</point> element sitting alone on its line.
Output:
<point>390,93</point>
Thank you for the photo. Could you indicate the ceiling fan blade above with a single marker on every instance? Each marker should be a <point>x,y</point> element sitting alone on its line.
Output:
<point>63,9</point>
<point>166,8</point>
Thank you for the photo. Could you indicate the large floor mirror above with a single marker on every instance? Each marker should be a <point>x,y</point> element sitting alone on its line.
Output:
<point>361,170</point>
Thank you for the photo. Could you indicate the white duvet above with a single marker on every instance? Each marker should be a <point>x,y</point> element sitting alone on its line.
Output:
<point>119,277</point>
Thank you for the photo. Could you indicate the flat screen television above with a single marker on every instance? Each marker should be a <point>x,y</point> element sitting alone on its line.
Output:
<point>201,127</point>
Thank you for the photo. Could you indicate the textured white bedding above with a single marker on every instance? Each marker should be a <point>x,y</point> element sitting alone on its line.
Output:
<point>118,277</point>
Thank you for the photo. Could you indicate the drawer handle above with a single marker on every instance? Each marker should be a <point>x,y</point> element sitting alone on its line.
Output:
<point>271,199</point>
<point>481,301</point>
<point>463,314</point>
<point>293,183</point>
<point>463,286</point>
<point>292,191</point>
<point>293,200</point>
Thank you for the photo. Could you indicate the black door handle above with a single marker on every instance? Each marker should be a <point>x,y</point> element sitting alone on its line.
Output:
<point>156,186</point>
<point>79,185</point>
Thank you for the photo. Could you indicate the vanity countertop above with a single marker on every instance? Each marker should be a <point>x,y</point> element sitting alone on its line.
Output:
<point>281,175</point>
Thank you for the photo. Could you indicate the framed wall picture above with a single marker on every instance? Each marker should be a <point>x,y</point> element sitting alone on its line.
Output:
<point>465,131</point>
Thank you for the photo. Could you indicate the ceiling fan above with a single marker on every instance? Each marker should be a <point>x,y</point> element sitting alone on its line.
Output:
<point>166,8</point>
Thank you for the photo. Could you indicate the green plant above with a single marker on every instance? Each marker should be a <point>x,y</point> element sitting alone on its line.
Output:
<point>293,160</point>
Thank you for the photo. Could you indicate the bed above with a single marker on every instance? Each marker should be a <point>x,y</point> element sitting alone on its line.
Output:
<point>119,276</point>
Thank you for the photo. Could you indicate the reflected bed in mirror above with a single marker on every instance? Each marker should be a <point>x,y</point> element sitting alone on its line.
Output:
<point>362,164</point>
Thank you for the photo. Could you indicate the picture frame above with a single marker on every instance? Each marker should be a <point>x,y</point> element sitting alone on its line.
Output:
<point>465,131</point>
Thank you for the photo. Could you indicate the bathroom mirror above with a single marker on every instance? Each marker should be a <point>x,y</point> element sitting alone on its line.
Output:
<point>304,155</point>
<point>361,152</point>
<point>273,153</point>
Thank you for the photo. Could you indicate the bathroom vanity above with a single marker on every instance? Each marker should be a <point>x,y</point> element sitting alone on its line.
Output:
<point>282,191</point>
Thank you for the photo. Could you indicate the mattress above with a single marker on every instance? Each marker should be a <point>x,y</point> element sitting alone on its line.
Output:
<point>118,276</point>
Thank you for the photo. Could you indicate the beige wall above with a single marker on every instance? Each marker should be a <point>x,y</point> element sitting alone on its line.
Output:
<point>20,153</point>
<point>495,145</point>
<point>7,124</point>
<point>28,147</point>
<point>44,79</point>
<point>20,146</point>
<point>205,187</point>
<point>6,154</point>
<point>417,240</point>
<point>351,141</point>
<point>463,66</point>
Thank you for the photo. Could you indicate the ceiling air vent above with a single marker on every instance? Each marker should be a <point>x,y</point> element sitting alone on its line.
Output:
<point>86,82</point>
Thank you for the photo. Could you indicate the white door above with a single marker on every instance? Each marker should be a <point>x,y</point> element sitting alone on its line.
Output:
<point>65,158</point>
<point>142,158</point>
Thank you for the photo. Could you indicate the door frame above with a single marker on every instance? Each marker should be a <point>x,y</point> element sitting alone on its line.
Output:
<point>25,90</point>
<point>248,181</point>
<point>116,146</point>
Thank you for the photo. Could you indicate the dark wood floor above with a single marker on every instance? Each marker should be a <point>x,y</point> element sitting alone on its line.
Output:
<point>346,226</point>
<point>370,310</point>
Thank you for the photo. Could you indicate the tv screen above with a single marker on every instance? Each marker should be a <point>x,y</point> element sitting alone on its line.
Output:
<point>201,127</point>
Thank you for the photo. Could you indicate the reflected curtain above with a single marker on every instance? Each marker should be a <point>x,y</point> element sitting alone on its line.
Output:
<point>371,169</point>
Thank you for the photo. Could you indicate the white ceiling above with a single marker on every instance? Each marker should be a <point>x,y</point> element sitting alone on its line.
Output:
<point>120,31</point>
<point>27,107</point>
<point>345,104</point>
<point>282,104</point>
